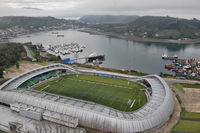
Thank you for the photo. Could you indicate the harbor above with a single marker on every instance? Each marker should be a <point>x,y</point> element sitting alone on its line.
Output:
<point>183,68</point>
<point>66,49</point>
<point>119,54</point>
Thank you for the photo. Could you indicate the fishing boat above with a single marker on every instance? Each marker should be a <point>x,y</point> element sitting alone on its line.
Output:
<point>169,67</point>
<point>54,32</point>
<point>165,56</point>
<point>60,35</point>
<point>179,71</point>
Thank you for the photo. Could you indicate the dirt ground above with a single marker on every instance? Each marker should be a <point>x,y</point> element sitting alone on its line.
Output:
<point>191,99</point>
<point>25,67</point>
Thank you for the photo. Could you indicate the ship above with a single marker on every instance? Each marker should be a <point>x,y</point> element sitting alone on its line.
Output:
<point>165,56</point>
<point>60,35</point>
<point>170,67</point>
<point>54,32</point>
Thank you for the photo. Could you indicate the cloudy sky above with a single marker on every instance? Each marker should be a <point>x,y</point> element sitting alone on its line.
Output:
<point>175,8</point>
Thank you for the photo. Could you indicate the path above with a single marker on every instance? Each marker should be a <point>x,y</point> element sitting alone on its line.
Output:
<point>29,53</point>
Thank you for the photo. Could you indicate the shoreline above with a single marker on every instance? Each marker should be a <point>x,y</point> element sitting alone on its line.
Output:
<point>28,33</point>
<point>139,39</point>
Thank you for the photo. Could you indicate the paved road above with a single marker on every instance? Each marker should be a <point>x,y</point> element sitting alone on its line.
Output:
<point>172,81</point>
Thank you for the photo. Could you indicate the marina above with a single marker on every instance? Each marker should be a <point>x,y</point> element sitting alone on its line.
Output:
<point>66,49</point>
<point>74,48</point>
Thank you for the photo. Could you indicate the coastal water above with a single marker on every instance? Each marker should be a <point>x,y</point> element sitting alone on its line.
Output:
<point>120,54</point>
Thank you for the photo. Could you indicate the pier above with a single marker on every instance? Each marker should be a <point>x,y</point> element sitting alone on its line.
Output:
<point>90,59</point>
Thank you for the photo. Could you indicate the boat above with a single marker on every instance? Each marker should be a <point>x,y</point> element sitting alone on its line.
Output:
<point>100,62</point>
<point>179,71</point>
<point>54,32</point>
<point>181,74</point>
<point>165,56</point>
<point>60,35</point>
<point>170,67</point>
<point>93,54</point>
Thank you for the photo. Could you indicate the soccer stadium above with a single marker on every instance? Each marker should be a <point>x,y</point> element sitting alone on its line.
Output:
<point>61,98</point>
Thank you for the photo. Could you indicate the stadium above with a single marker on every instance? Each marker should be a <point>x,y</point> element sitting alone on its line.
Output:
<point>35,103</point>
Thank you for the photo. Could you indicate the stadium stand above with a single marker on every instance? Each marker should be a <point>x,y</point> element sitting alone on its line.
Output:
<point>37,79</point>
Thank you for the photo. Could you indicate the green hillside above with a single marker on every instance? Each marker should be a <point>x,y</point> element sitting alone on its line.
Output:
<point>166,27</point>
<point>27,22</point>
<point>108,19</point>
<point>155,27</point>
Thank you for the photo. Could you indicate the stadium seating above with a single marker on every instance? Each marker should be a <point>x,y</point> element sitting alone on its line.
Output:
<point>51,74</point>
<point>34,80</point>
<point>37,79</point>
<point>23,86</point>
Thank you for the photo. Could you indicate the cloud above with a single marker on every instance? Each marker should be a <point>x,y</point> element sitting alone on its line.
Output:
<point>178,8</point>
<point>31,8</point>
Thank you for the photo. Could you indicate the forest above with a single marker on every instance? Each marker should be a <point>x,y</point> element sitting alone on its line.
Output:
<point>10,54</point>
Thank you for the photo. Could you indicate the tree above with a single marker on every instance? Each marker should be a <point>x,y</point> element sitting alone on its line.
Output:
<point>1,71</point>
<point>58,58</point>
<point>17,65</point>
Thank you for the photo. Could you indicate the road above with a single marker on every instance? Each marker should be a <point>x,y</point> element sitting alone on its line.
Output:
<point>170,81</point>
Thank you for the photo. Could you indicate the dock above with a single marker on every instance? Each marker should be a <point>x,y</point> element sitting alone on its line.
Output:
<point>90,59</point>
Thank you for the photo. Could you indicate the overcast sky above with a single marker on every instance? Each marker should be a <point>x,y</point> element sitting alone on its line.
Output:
<point>175,8</point>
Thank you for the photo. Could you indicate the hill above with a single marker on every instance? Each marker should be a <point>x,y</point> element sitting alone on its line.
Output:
<point>27,22</point>
<point>166,27</point>
<point>108,19</point>
<point>156,28</point>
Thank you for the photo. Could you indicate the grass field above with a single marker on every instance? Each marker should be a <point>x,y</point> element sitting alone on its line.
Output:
<point>9,70</point>
<point>31,52</point>
<point>30,62</point>
<point>180,86</point>
<point>189,122</point>
<point>189,115</point>
<point>115,93</point>
<point>187,126</point>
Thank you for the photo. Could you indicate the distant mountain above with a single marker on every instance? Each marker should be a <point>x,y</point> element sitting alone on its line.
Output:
<point>26,22</point>
<point>108,19</point>
<point>166,27</point>
<point>155,27</point>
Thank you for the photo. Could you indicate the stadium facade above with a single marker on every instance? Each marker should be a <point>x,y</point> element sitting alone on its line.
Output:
<point>27,109</point>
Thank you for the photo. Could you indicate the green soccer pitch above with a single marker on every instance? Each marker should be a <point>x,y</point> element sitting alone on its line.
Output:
<point>111,92</point>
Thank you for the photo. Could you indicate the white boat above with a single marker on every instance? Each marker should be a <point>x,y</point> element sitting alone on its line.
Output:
<point>165,56</point>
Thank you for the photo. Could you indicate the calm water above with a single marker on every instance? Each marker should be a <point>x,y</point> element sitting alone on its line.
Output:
<point>120,54</point>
